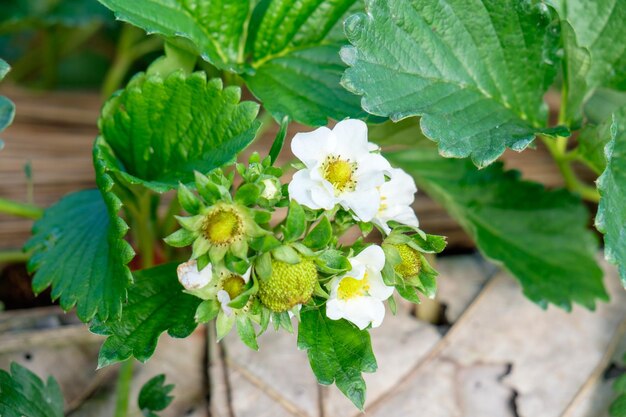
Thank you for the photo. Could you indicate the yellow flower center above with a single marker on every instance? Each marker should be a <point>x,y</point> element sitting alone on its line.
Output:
<point>234,286</point>
<point>410,264</point>
<point>339,172</point>
<point>351,287</point>
<point>222,226</point>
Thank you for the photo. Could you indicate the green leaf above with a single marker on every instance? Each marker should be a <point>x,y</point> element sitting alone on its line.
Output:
<point>618,407</point>
<point>602,104</point>
<point>214,27</point>
<point>332,261</point>
<point>611,217</point>
<point>162,130</point>
<point>154,396</point>
<point>592,141</point>
<point>576,67</point>
<point>7,108</point>
<point>475,71</point>
<point>338,352</point>
<point>22,393</point>
<point>598,25</point>
<point>297,69</point>
<point>207,311</point>
<point>295,224</point>
<point>320,236</point>
<point>78,249</point>
<point>156,303</point>
<point>540,236</point>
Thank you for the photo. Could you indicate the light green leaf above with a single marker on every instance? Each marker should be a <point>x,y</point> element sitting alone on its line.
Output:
<point>576,65</point>
<point>22,393</point>
<point>78,249</point>
<point>215,28</point>
<point>338,352</point>
<point>161,130</point>
<point>592,141</point>
<point>540,236</point>
<point>599,27</point>
<point>611,217</point>
<point>156,303</point>
<point>476,71</point>
<point>602,104</point>
<point>154,396</point>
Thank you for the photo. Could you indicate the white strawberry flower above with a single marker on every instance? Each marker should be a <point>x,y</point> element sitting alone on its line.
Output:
<point>192,279</point>
<point>396,197</point>
<point>358,295</point>
<point>340,169</point>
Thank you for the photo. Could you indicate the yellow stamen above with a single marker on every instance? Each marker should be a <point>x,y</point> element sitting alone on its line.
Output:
<point>234,286</point>
<point>222,226</point>
<point>339,172</point>
<point>351,287</point>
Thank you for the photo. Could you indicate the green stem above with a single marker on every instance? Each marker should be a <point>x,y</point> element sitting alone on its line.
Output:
<point>558,150</point>
<point>29,211</point>
<point>13,256</point>
<point>124,58</point>
<point>124,381</point>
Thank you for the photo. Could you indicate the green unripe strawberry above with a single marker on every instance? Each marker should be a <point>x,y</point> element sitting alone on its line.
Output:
<point>289,285</point>
<point>410,264</point>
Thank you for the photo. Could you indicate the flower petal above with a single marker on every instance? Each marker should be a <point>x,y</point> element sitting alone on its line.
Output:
<point>351,138</point>
<point>300,188</point>
<point>372,256</point>
<point>310,147</point>
<point>365,310</point>
<point>363,203</point>
<point>191,278</point>
<point>378,289</point>
<point>322,198</point>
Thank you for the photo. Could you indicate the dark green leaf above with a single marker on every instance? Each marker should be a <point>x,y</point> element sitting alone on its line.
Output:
<point>156,303</point>
<point>297,70</point>
<point>23,14</point>
<point>154,396</point>
<point>338,352</point>
<point>161,131</point>
<point>295,224</point>
<point>320,236</point>
<point>22,393</point>
<point>214,27</point>
<point>79,249</point>
<point>540,236</point>
<point>476,72</point>
<point>611,217</point>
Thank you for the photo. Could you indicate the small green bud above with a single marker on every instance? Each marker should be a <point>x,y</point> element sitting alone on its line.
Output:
<point>410,264</point>
<point>289,285</point>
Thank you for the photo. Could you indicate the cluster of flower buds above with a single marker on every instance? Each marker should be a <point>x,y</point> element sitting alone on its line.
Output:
<point>249,265</point>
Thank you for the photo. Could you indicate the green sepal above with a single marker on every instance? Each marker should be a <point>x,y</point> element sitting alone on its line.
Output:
<point>332,261</point>
<point>295,224</point>
<point>191,223</point>
<point>408,292</point>
<point>223,324</point>
<point>264,243</point>
<point>245,330</point>
<point>391,302</point>
<point>320,236</point>
<point>203,261</point>
<point>282,320</point>
<point>263,266</point>
<point>207,311</point>
<point>286,254</point>
<point>210,192</point>
<point>236,264</point>
<point>239,248</point>
<point>188,200</point>
<point>180,238</point>
<point>248,194</point>
<point>242,299</point>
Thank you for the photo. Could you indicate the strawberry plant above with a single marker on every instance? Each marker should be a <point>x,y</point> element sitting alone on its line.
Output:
<point>447,86</point>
